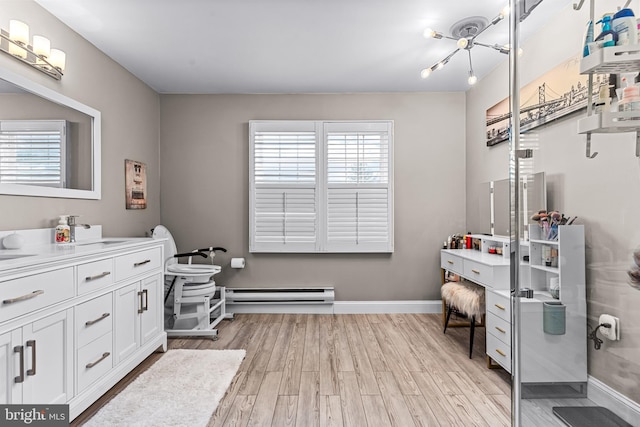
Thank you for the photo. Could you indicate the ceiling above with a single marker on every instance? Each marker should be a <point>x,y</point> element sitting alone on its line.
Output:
<point>290,46</point>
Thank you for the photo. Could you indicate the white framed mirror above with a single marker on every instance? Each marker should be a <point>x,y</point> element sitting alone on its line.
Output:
<point>49,143</point>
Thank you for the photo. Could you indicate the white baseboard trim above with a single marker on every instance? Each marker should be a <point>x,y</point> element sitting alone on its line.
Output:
<point>341,307</point>
<point>386,307</point>
<point>603,395</point>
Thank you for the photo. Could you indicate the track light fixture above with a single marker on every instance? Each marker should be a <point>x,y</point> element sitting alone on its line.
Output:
<point>39,55</point>
<point>465,32</point>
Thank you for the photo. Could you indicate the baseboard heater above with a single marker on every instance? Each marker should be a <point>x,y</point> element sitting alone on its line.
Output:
<point>316,295</point>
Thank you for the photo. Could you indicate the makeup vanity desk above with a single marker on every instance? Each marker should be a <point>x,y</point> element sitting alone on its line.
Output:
<point>490,271</point>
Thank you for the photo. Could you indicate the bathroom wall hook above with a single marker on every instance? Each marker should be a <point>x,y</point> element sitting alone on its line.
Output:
<point>578,6</point>
<point>589,155</point>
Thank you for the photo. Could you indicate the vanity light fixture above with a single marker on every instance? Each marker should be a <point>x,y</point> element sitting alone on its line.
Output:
<point>465,32</point>
<point>39,55</point>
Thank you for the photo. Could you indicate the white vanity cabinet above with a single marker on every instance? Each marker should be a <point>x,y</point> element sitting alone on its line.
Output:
<point>74,322</point>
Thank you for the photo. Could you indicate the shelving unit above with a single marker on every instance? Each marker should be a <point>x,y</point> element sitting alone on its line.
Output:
<point>609,60</point>
<point>564,357</point>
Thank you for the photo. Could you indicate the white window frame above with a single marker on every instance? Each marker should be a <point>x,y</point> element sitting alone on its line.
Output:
<point>322,244</point>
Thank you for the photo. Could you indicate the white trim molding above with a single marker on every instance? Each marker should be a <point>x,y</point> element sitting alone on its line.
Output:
<point>387,307</point>
<point>603,395</point>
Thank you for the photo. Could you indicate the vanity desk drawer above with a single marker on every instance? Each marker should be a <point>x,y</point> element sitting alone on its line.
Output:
<point>498,304</point>
<point>499,351</point>
<point>499,328</point>
<point>94,318</point>
<point>480,273</point>
<point>451,263</point>
<point>94,275</point>
<point>29,293</point>
<point>136,263</point>
<point>94,360</point>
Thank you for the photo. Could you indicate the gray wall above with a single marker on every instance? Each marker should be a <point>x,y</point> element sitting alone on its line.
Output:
<point>601,191</point>
<point>130,126</point>
<point>204,188</point>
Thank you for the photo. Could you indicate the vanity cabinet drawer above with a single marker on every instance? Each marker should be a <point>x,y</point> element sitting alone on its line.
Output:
<point>30,293</point>
<point>136,263</point>
<point>499,351</point>
<point>499,305</point>
<point>499,328</point>
<point>94,275</point>
<point>480,273</point>
<point>94,360</point>
<point>451,262</point>
<point>94,318</point>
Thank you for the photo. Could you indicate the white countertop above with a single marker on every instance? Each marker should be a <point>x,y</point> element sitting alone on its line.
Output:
<point>37,255</point>
<point>481,257</point>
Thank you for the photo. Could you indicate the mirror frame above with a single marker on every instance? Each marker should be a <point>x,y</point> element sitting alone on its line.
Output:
<point>51,95</point>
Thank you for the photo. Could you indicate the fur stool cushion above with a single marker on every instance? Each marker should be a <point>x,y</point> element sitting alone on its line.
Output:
<point>466,297</point>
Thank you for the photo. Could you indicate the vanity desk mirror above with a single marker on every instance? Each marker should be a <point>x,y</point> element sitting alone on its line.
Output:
<point>59,135</point>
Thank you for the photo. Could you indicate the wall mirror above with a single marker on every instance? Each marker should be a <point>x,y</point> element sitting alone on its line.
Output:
<point>49,143</point>
<point>533,197</point>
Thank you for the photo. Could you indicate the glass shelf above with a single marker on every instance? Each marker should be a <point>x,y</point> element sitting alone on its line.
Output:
<point>554,270</point>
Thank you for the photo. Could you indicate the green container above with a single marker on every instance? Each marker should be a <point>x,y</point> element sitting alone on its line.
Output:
<point>554,318</point>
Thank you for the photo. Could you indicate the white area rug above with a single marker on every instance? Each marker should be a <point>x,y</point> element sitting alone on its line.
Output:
<point>182,388</point>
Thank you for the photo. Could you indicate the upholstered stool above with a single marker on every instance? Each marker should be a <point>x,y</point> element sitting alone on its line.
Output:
<point>467,298</point>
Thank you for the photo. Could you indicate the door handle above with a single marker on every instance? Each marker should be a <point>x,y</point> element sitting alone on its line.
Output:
<point>32,344</point>
<point>140,306</point>
<point>145,293</point>
<point>20,349</point>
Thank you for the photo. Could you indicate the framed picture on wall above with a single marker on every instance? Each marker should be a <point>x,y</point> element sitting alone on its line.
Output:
<point>561,91</point>
<point>135,174</point>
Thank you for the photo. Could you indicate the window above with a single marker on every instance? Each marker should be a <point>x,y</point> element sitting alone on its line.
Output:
<point>33,152</point>
<point>321,186</point>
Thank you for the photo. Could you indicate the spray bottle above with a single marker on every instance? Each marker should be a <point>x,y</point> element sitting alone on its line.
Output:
<point>608,36</point>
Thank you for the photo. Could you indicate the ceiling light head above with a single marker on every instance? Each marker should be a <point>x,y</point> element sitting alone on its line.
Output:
<point>431,34</point>
<point>463,42</point>
<point>473,79</point>
<point>440,65</point>
<point>426,73</point>
<point>505,11</point>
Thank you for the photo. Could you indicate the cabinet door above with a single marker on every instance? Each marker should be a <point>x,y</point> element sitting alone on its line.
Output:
<point>49,359</point>
<point>127,329</point>
<point>10,390</point>
<point>151,317</point>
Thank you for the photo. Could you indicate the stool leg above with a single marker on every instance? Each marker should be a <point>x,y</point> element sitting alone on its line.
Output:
<point>446,322</point>
<point>473,327</point>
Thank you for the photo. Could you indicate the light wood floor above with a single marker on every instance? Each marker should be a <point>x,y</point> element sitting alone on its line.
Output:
<point>351,371</point>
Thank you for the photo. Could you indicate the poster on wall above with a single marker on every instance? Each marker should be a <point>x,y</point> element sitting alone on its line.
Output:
<point>561,91</point>
<point>135,177</point>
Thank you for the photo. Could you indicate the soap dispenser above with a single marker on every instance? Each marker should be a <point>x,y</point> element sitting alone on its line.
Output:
<point>63,231</point>
<point>608,36</point>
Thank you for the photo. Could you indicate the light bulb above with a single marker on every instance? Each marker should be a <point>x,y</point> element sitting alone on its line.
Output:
<point>440,65</point>
<point>505,11</point>
<point>58,59</point>
<point>429,33</point>
<point>462,42</point>
<point>41,46</point>
<point>472,78</point>
<point>425,73</point>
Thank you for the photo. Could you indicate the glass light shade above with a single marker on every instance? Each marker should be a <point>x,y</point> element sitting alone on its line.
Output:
<point>462,42</point>
<point>429,33</point>
<point>41,46</point>
<point>57,59</point>
<point>472,78</point>
<point>17,51</point>
<point>505,11</point>
<point>18,31</point>
<point>425,73</point>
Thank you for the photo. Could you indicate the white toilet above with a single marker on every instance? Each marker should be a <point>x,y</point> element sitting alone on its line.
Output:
<point>194,305</point>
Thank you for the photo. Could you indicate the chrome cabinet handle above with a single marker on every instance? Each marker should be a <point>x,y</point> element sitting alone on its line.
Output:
<point>501,307</point>
<point>140,306</point>
<point>20,349</point>
<point>476,271</point>
<point>501,330</point>
<point>97,276</point>
<point>501,353</point>
<point>91,322</point>
<point>138,264</point>
<point>145,293</point>
<point>24,297</point>
<point>32,344</point>
<point>92,364</point>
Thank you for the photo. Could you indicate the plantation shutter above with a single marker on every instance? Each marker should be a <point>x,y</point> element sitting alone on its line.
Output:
<point>359,187</point>
<point>284,214</point>
<point>33,152</point>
